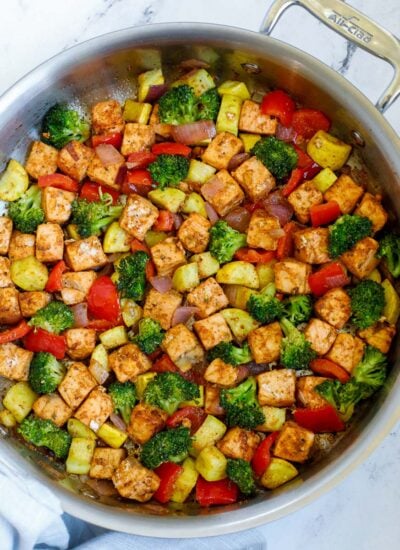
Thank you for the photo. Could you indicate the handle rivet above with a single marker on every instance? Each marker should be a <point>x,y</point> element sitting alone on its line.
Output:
<point>251,68</point>
<point>357,138</point>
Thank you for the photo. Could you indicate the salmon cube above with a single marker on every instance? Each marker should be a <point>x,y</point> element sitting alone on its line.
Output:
<point>379,336</point>
<point>145,422</point>
<point>311,245</point>
<point>76,384</point>
<point>52,407</point>
<point>265,343</point>
<point>56,204</point>
<point>222,374</point>
<point>107,117</point>
<point>346,192</point>
<point>291,277</point>
<point>5,275</point>
<point>167,256</point>
<point>108,175</point>
<point>208,297</point>
<point>96,408</point>
<point>137,137</point>
<point>303,198</point>
<point>21,246</point>
<point>74,159</point>
<point>370,207</point>
<point>212,396</point>
<point>361,260</point>
<point>134,481</point>
<point>138,216</point>
<point>254,121</point>
<point>128,362</point>
<point>334,307</point>
<point>161,306</point>
<point>239,443</point>
<point>75,286</point>
<point>6,226</point>
<point>49,242</point>
<point>255,178</point>
<point>263,231</point>
<point>294,443</point>
<point>347,351</point>
<point>321,335</point>
<point>105,461</point>
<point>42,160</point>
<point>213,330</point>
<point>14,362</point>
<point>222,148</point>
<point>194,233</point>
<point>222,192</point>
<point>10,311</point>
<point>277,388</point>
<point>306,393</point>
<point>80,342</point>
<point>85,254</point>
<point>30,302</point>
<point>182,347</point>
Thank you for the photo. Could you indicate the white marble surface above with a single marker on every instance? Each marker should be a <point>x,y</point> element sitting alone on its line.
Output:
<point>362,512</point>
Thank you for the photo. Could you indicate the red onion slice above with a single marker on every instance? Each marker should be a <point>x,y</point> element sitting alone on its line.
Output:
<point>118,422</point>
<point>276,205</point>
<point>183,314</point>
<point>211,213</point>
<point>155,92</point>
<point>194,132</point>
<point>103,487</point>
<point>212,187</point>
<point>237,160</point>
<point>161,284</point>
<point>239,219</point>
<point>108,154</point>
<point>178,221</point>
<point>194,64</point>
<point>71,150</point>
<point>80,315</point>
<point>284,133</point>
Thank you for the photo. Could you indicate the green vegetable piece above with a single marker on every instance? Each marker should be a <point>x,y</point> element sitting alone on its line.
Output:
<point>170,446</point>
<point>124,399</point>
<point>367,303</point>
<point>225,241</point>
<point>230,354</point>
<point>298,309</point>
<point>27,213</point>
<point>296,351</point>
<point>61,125</point>
<point>264,307</point>
<point>372,368</point>
<point>389,248</point>
<point>178,105</point>
<point>45,373</point>
<point>240,472</point>
<point>241,405</point>
<point>169,170</point>
<point>150,335</point>
<point>208,105</point>
<point>55,317</point>
<point>91,218</point>
<point>279,157</point>
<point>346,232</point>
<point>44,433</point>
<point>168,390</point>
<point>132,275</point>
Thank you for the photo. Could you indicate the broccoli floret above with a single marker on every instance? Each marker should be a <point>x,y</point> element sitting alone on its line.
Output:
<point>43,433</point>
<point>389,248</point>
<point>45,373</point>
<point>209,103</point>
<point>298,309</point>
<point>169,170</point>
<point>296,351</point>
<point>264,307</point>
<point>224,241</point>
<point>91,218</point>
<point>123,396</point>
<point>170,446</point>
<point>167,391</point>
<point>240,472</point>
<point>367,303</point>
<point>279,157</point>
<point>372,368</point>
<point>55,317</point>
<point>346,232</point>
<point>178,105</point>
<point>27,213</point>
<point>150,335</point>
<point>132,275</point>
<point>61,125</point>
<point>230,354</point>
<point>241,405</point>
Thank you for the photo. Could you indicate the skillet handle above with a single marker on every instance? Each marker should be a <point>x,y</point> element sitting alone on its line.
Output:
<point>355,27</point>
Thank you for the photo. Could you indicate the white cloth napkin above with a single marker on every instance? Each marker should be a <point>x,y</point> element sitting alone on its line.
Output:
<point>31,517</point>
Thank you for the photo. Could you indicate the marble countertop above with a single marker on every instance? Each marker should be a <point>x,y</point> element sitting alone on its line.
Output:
<point>362,512</point>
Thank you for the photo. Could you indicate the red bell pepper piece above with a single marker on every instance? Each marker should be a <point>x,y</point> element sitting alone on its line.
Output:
<point>102,324</point>
<point>137,181</point>
<point>114,139</point>
<point>150,270</point>
<point>278,103</point>
<point>137,245</point>
<point>285,243</point>
<point>254,256</point>
<point>252,206</point>
<point>303,159</point>
<point>164,222</point>
<point>329,369</point>
<point>262,457</point>
<point>323,419</point>
<point>192,416</point>
<point>91,192</point>
<point>54,281</point>
<point>141,159</point>
<point>164,364</point>
<point>15,333</point>
<point>323,214</point>
<point>330,276</point>
<point>168,472</point>
<point>171,148</point>
<point>296,178</point>
<point>41,340</point>
<point>103,302</point>
<point>61,181</point>
<point>308,121</point>
<point>209,493</point>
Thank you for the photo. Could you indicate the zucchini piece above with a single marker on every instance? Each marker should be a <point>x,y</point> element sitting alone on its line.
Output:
<point>131,312</point>
<point>211,431</point>
<point>78,429</point>
<point>240,322</point>
<point>229,114</point>
<point>80,456</point>
<point>154,237</point>
<point>147,79</point>
<point>111,435</point>
<point>29,274</point>
<point>211,464</point>
<point>266,273</point>
<point>238,273</point>
<point>98,365</point>
<point>206,263</point>
<point>238,295</point>
<point>392,303</point>
<point>200,80</point>
<point>114,337</point>
<point>194,203</point>
<point>141,382</point>
<point>278,472</point>
<point>234,87</point>
<point>19,400</point>
<point>249,140</point>
<point>324,179</point>
<point>328,151</point>
<point>72,231</point>
<point>137,112</point>
<point>7,419</point>
<point>199,172</point>
<point>275,417</point>
<point>169,198</point>
<point>185,482</point>
<point>375,276</point>
<point>13,182</point>
<point>116,239</point>
<point>186,277</point>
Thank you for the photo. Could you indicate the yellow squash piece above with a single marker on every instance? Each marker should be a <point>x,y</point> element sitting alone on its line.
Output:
<point>194,203</point>
<point>19,400</point>
<point>249,140</point>
<point>185,482</point>
<point>111,435</point>
<point>278,472</point>
<point>169,198</point>
<point>211,464</point>
<point>206,264</point>
<point>200,80</point>
<point>80,456</point>
<point>131,312</point>
<point>29,274</point>
<point>14,181</point>
<point>238,273</point>
<point>76,428</point>
<point>211,431</point>
<point>324,179</point>
<point>234,87</point>
<point>229,114</point>
<point>186,277</point>
<point>147,79</point>
<point>154,237</point>
<point>328,151</point>
<point>134,111</point>
<point>116,239</point>
<point>7,419</point>
<point>98,365</point>
<point>240,322</point>
<point>141,382</point>
<point>275,418</point>
<point>392,303</point>
<point>238,295</point>
<point>199,172</point>
<point>114,337</point>
<point>266,273</point>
